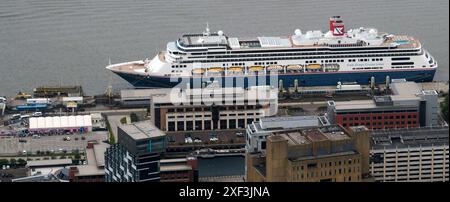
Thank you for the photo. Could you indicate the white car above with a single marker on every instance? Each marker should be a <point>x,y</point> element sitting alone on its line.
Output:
<point>213,139</point>
<point>35,114</point>
<point>198,141</point>
<point>188,140</point>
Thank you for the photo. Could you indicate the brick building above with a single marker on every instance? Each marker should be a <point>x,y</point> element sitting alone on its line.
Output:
<point>408,107</point>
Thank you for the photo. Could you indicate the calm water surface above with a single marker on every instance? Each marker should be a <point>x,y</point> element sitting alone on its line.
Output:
<point>52,42</point>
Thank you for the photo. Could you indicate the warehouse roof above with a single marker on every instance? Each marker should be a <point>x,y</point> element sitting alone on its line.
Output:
<point>142,130</point>
<point>60,122</point>
<point>409,137</point>
<point>49,163</point>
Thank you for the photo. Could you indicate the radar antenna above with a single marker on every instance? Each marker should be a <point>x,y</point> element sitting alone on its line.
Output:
<point>207,32</point>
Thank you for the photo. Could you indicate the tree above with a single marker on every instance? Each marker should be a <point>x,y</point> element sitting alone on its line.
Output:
<point>12,162</point>
<point>444,108</point>
<point>21,162</point>
<point>134,117</point>
<point>112,140</point>
<point>4,162</point>
<point>123,120</point>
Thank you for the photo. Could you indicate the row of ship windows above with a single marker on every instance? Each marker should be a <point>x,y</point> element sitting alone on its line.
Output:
<point>358,68</point>
<point>296,58</point>
<point>179,66</point>
<point>403,67</point>
<point>366,60</point>
<point>294,54</point>
<point>266,63</point>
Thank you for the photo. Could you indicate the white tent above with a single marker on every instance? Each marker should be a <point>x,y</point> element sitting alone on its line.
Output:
<point>61,122</point>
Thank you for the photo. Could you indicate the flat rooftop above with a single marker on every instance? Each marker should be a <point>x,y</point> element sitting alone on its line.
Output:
<point>50,163</point>
<point>413,137</point>
<point>142,130</point>
<point>405,88</point>
<point>95,161</point>
<point>355,104</point>
<point>308,136</point>
<point>302,158</point>
<point>168,168</point>
<point>132,94</point>
<point>270,123</point>
<point>217,95</point>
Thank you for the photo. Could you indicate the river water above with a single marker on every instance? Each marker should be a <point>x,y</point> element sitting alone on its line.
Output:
<point>68,42</point>
<point>53,42</point>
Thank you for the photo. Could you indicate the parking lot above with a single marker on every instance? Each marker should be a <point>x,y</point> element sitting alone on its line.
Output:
<point>15,145</point>
<point>226,136</point>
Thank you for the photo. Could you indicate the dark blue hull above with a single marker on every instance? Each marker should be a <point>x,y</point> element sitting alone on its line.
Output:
<point>288,80</point>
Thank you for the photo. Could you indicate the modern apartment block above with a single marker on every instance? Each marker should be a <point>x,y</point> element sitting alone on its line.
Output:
<point>136,156</point>
<point>212,108</point>
<point>413,155</point>
<point>408,106</point>
<point>320,154</point>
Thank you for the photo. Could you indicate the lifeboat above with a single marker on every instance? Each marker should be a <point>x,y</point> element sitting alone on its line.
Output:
<point>215,70</point>
<point>294,67</point>
<point>235,69</point>
<point>275,68</point>
<point>313,66</point>
<point>256,68</point>
<point>198,71</point>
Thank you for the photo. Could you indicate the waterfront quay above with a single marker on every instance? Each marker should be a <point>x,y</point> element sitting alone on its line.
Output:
<point>202,131</point>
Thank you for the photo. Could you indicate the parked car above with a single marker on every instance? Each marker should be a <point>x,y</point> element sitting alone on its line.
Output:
<point>36,114</point>
<point>188,140</point>
<point>198,140</point>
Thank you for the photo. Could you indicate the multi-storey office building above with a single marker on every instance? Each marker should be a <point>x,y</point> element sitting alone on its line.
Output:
<point>212,108</point>
<point>409,106</point>
<point>323,154</point>
<point>414,155</point>
<point>136,156</point>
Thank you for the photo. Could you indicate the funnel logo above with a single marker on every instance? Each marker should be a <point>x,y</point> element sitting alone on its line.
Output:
<point>338,30</point>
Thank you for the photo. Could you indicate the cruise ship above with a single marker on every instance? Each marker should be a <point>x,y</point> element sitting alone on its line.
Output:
<point>305,58</point>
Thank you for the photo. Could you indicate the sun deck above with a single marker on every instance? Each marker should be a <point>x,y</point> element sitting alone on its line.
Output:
<point>136,67</point>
